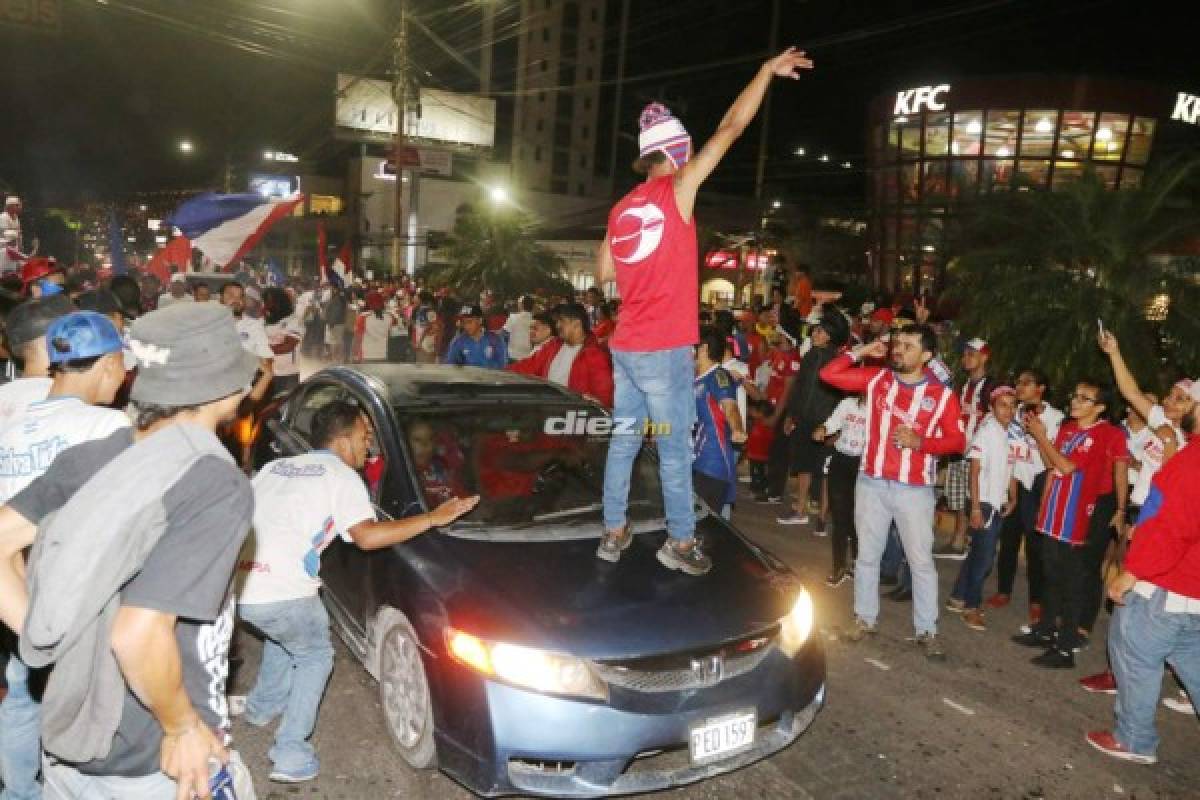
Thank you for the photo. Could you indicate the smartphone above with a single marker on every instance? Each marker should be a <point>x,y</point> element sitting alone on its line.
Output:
<point>1100,325</point>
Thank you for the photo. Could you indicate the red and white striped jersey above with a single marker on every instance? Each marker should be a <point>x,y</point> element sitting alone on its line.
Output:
<point>928,407</point>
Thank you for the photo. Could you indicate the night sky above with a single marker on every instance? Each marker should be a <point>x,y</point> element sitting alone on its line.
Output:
<point>97,112</point>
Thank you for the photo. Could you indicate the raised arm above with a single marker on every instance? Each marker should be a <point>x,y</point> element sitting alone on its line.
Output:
<point>841,373</point>
<point>1126,383</point>
<point>739,116</point>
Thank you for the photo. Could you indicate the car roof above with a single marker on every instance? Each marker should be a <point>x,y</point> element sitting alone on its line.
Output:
<point>420,384</point>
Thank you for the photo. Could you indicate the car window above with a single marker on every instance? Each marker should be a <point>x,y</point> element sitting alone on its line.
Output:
<point>529,464</point>
<point>312,401</point>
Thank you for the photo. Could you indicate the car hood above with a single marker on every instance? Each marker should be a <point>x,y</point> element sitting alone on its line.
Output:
<point>558,596</point>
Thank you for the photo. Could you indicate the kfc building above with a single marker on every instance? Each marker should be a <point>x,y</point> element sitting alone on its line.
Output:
<point>931,147</point>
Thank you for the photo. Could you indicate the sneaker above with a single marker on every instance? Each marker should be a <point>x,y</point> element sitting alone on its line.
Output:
<point>1100,683</point>
<point>955,606</point>
<point>307,773</point>
<point>1106,743</point>
<point>794,518</point>
<point>949,551</point>
<point>973,619</point>
<point>836,579</point>
<point>1082,644</point>
<point>613,544</point>
<point>820,530</point>
<point>998,600</point>
<point>1032,638</point>
<point>745,479</point>
<point>768,499</point>
<point>1181,703</point>
<point>932,646</point>
<point>1054,658</point>
<point>860,630</point>
<point>1035,613</point>
<point>688,560</point>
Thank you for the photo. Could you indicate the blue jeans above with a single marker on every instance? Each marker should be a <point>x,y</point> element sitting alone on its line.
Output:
<point>64,782</point>
<point>296,664</point>
<point>20,736</point>
<point>655,385</point>
<point>1142,638</point>
<point>877,504</point>
<point>980,557</point>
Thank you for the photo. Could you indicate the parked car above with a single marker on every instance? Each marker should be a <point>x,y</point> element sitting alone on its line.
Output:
<point>507,654</point>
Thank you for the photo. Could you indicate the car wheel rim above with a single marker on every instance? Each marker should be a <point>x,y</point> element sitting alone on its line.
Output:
<point>404,690</point>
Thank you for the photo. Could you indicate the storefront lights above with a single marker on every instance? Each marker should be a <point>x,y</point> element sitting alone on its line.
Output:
<point>974,127</point>
<point>1003,152</point>
<point>1044,125</point>
<point>1104,135</point>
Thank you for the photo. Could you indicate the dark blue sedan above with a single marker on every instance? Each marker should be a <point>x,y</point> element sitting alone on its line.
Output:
<point>507,654</point>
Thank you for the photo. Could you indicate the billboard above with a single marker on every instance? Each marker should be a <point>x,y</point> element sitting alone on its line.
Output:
<point>279,186</point>
<point>365,112</point>
<point>37,16</point>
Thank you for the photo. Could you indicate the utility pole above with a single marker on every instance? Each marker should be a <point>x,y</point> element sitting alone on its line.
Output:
<point>487,33</point>
<point>616,130</point>
<point>764,132</point>
<point>400,97</point>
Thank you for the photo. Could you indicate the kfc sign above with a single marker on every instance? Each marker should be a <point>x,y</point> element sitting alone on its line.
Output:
<point>1187,108</point>
<point>925,98</point>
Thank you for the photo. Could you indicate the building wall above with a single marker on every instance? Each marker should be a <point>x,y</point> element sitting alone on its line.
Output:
<point>555,132</point>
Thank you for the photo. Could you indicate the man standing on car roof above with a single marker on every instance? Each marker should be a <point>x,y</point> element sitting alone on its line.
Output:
<point>302,504</point>
<point>650,247</point>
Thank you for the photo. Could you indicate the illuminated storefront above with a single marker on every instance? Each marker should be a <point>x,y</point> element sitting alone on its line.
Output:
<point>931,147</point>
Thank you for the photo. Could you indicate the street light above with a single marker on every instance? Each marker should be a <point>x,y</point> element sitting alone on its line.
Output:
<point>185,146</point>
<point>776,204</point>
<point>799,151</point>
<point>499,195</point>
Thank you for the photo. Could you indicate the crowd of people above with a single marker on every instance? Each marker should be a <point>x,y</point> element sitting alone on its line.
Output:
<point>848,420</point>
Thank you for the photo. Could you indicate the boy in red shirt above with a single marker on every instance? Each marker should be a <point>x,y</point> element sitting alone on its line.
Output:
<point>1085,497</point>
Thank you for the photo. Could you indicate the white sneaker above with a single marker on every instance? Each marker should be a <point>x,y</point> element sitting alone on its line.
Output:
<point>794,518</point>
<point>1181,703</point>
<point>237,705</point>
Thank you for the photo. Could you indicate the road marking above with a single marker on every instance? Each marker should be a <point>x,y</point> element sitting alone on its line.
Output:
<point>959,708</point>
<point>876,663</point>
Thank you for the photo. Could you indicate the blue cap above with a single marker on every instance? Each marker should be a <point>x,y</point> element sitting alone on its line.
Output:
<point>81,334</point>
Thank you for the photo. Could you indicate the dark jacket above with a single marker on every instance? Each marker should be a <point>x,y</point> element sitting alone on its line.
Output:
<point>811,400</point>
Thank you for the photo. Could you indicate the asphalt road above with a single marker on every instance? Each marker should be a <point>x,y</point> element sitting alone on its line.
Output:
<point>984,724</point>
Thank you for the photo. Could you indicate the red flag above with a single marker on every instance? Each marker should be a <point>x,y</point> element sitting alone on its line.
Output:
<point>347,256</point>
<point>177,252</point>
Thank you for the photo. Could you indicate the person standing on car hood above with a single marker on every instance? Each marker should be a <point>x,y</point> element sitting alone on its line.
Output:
<point>650,247</point>
<point>301,504</point>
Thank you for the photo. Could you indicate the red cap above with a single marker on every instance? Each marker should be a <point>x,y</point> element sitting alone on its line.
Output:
<point>38,267</point>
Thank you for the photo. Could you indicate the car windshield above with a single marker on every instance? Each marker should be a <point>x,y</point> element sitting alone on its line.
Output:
<point>531,466</point>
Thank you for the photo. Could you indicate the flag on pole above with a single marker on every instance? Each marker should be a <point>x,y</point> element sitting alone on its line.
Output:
<point>177,252</point>
<point>227,226</point>
<point>335,274</point>
<point>116,244</point>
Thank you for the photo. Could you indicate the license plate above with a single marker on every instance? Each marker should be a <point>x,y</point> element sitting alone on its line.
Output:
<point>721,737</point>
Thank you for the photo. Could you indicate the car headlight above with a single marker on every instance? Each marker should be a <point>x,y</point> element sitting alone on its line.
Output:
<point>795,628</point>
<point>527,667</point>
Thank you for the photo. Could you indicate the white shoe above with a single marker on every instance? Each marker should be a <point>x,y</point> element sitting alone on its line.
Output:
<point>1181,703</point>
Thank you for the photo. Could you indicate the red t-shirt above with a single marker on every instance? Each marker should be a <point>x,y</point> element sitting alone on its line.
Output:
<point>1166,545</point>
<point>655,256</point>
<point>783,366</point>
<point>1069,500</point>
<point>758,443</point>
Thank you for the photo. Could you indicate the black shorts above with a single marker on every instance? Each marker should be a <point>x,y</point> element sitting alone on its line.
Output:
<point>807,456</point>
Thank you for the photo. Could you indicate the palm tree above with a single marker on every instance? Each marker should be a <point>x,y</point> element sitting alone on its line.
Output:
<point>1039,269</point>
<point>496,250</point>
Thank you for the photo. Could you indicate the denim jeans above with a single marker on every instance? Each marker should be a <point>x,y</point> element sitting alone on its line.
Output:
<point>877,504</point>
<point>20,735</point>
<point>64,782</point>
<point>296,664</point>
<point>654,385</point>
<point>980,556</point>
<point>1143,637</point>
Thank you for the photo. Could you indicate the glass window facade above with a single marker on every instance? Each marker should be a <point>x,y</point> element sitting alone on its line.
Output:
<point>925,163</point>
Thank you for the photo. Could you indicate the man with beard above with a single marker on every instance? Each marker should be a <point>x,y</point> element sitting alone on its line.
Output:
<point>253,335</point>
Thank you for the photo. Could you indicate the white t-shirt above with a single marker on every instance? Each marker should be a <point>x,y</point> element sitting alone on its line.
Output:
<point>1029,459</point>
<point>31,441</point>
<point>300,505</point>
<point>739,371</point>
<point>995,448</point>
<point>517,326</point>
<point>166,298</point>
<point>849,422</point>
<point>253,334</point>
<point>16,396</point>
<point>286,364</point>
<point>1150,453</point>
<point>560,366</point>
<point>375,336</point>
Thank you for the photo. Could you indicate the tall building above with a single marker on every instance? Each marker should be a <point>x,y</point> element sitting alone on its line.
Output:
<point>559,57</point>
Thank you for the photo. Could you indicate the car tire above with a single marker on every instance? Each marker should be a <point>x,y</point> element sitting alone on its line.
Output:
<point>404,694</point>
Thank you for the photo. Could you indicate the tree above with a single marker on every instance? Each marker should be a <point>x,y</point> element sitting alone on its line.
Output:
<point>1038,269</point>
<point>496,250</point>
